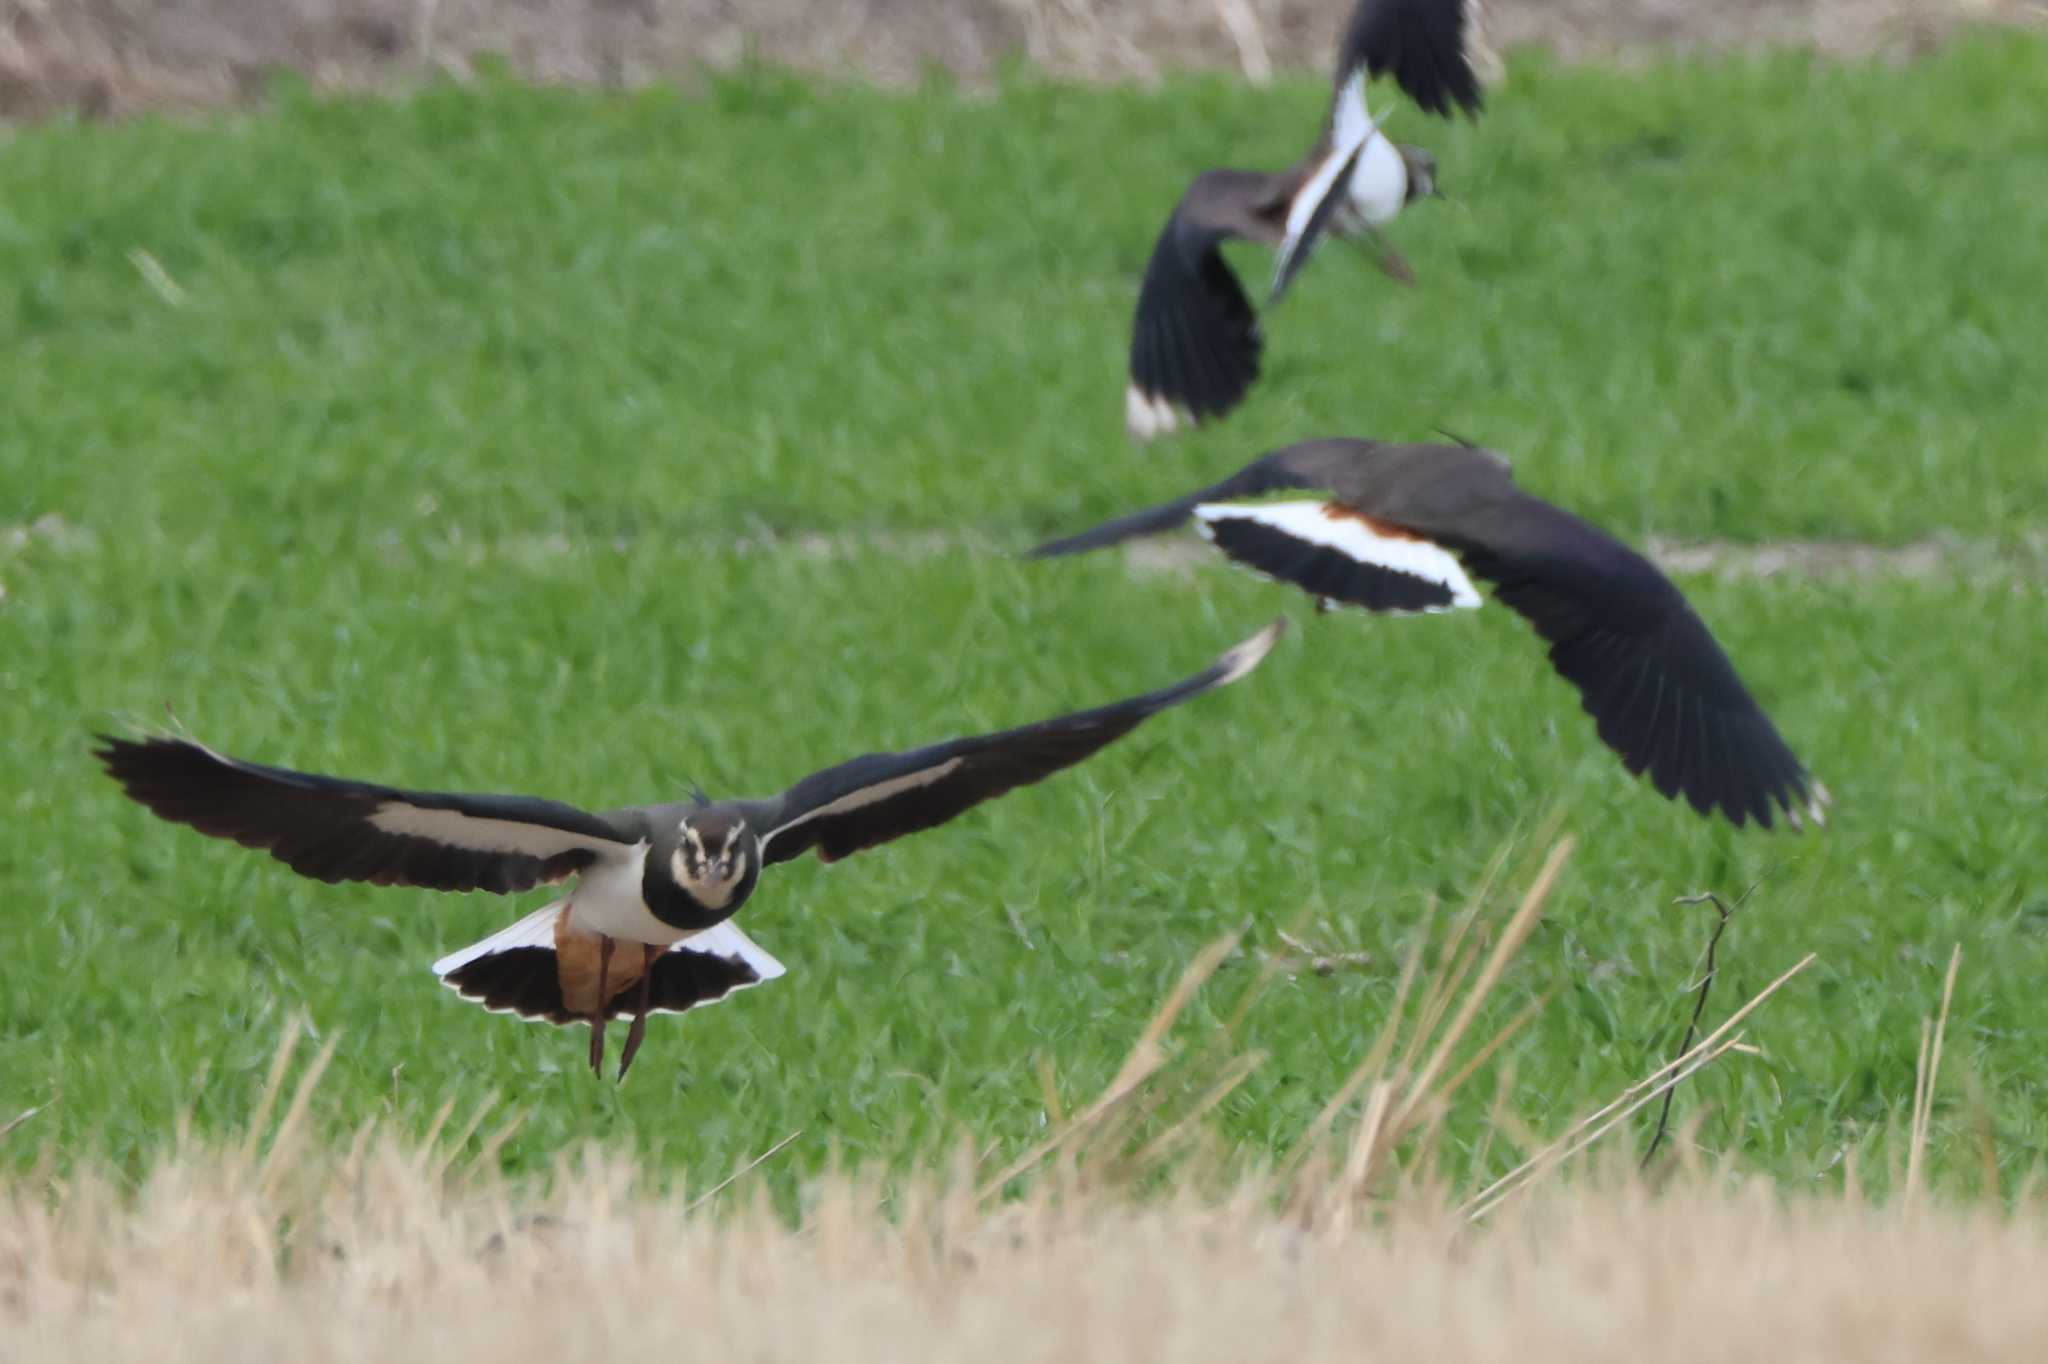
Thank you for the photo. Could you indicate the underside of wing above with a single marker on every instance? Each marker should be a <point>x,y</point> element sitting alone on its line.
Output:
<point>1426,45</point>
<point>1339,556</point>
<point>1309,218</point>
<point>884,796</point>
<point>525,978</point>
<point>332,829</point>
<point>1195,341</point>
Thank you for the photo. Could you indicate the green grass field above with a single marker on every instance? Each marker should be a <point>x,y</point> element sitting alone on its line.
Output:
<point>473,440</point>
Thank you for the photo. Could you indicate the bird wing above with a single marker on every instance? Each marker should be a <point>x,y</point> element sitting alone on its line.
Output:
<point>1269,473</point>
<point>337,830</point>
<point>1661,690</point>
<point>1195,340</point>
<point>1320,196</point>
<point>882,796</point>
<point>1426,45</point>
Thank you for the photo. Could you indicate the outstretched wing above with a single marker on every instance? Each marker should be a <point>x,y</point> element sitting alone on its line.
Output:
<point>884,796</point>
<point>336,830</point>
<point>1195,341</point>
<point>1661,691</point>
<point>1426,45</point>
<point>1659,687</point>
<point>1274,472</point>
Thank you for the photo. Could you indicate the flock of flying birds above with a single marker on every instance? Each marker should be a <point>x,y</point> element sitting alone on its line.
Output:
<point>647,926</point>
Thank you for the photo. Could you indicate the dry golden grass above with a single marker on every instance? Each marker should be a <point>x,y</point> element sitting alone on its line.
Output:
<point>386,1260</point>
<point>119,56</point>
<point>1121,1235</point>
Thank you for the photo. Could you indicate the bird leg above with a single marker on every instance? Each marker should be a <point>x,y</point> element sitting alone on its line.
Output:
<point>1375,244</point>
<point>639,1028</point>
<point>604,999</point>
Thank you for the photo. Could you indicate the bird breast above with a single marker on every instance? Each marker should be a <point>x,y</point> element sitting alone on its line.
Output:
<point>608,899</point>
<point>1379,185</point>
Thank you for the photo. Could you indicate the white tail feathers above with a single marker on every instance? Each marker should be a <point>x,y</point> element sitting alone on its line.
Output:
<point>538,930</point>
<point>535,930</point>
<point>726,940</point>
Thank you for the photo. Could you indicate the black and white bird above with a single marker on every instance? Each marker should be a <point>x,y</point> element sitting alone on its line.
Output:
<point>1195,339</point>
<point>1397,528</point>
<point>645,927</point>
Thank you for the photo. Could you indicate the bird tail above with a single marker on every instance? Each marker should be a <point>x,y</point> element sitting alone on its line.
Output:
<point>535,930</point>
<point>520,970</point>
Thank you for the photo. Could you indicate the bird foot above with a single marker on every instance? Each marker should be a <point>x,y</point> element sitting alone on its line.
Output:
<point>639,1029</point>
<point>633,1036</point>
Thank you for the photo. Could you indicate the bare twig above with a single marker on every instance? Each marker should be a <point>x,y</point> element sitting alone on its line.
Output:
<point>1591,1128</point>
<point>1699,1006</point>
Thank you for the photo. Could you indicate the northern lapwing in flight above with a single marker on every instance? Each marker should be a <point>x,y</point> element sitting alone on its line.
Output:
<point>1195,338</point>
<point>1397,529</point>
<point>645,927</point>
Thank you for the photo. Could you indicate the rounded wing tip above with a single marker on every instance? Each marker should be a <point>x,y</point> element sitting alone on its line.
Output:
<point>1148,415</point>
<point>1251,653</point>
<point>1815,810</point>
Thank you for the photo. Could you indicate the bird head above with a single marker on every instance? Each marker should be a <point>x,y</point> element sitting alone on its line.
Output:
<point>715,852</point>
<point>1421,172</point>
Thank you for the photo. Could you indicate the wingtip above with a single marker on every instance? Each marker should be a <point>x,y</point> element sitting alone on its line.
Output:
<point>1817,805</point>
<point>1252,652</point>
<point>1049,549</point>
<point>1147,415</point>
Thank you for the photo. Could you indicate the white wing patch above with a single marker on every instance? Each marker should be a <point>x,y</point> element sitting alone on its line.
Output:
<point>1351,128</point>
<point>535,930</point>
<point>457,830</point>
<point>866,796</point>
<point>1351,122</point>
<point>1355,539</point>
<point>1307,200</point>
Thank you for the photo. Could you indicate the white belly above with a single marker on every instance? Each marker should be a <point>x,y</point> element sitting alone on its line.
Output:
<point>607,900</point>
<point>1379,184</point>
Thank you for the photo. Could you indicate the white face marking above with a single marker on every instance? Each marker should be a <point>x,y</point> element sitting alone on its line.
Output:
<point>1355,540</point>
<point>710,881</point>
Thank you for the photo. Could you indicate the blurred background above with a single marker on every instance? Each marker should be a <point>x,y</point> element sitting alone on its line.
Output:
<point>107,57</point>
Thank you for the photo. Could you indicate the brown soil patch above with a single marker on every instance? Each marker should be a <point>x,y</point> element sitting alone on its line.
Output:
<point>110,57</point>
